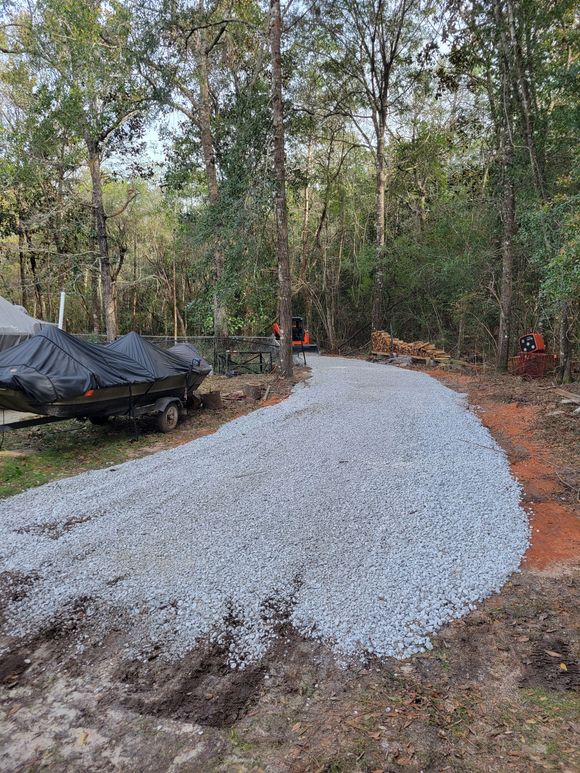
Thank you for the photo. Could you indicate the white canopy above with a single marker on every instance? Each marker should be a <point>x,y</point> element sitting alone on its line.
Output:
<point>16,324</point>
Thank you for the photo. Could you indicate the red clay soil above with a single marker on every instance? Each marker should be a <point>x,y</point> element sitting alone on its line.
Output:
<point>555,527</point>
<point>534,462</point>
<point>272,401</point>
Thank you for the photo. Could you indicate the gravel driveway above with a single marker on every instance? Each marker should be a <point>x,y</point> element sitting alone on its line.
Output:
<point>369,508</point>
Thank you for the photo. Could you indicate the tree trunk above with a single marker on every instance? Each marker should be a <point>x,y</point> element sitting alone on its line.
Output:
<point>284,281</point>
<point>508,228</point>
<point>505,129</point>
<point>22,266</point>
<point>220,317</point>
<point>565,345</point>
<point>38,299</point>
<point>134,290</point>
<point>525,102</point>
<point>460,335</point>
<point>174,300</point>
<point>332,303</point>
<point>94,277</point>
<point>204,118</point>
<point>422,209</point>
<point>305,218</point>
<point>100,221</point>
<point>377,312</point>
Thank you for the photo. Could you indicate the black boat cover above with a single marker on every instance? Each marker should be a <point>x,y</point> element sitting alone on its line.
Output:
<point>182,358</point>
<point>53,365</point>
<point>189,352</point>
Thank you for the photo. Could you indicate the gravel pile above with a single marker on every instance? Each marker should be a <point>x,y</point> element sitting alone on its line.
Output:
<point>369,508</point>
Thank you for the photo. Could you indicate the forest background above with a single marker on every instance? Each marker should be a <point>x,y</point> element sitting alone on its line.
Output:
<point>431,168</point>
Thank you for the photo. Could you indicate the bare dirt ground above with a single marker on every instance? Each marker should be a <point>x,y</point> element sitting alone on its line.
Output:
<point>499,691</point>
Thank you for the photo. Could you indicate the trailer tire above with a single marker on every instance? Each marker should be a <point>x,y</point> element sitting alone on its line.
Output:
<point>168,419</point>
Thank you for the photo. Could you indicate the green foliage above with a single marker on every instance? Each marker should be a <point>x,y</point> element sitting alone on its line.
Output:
<point>116,74</point>
<point>82,51</point>
<point>551,234</point>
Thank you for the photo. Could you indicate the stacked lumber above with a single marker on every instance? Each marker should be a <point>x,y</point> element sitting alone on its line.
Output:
<point>422,350</point>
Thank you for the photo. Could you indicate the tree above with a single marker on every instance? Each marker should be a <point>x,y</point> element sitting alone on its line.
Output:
<point>181,83</point>
<point>82,49</point>
<point>505,127</point>
<point>514,51</point>
<point>411,176</point>
<point>206,63</point>
<point>373,39</point>
<point>38,163</point>
<point>282,249</point>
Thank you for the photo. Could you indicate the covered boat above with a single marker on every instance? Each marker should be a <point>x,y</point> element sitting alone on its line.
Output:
<point>188,352</point>
<point>160,362</point>
<point>57,374</point>
<point>178,371</point>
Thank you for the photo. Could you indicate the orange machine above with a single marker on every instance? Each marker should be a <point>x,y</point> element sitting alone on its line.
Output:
<point>532,342</point>
<point>300,336</point>
<point>533,361</point>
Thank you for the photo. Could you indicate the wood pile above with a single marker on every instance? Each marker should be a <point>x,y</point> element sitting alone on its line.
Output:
<point>570,398</point>
<point>420,350</point>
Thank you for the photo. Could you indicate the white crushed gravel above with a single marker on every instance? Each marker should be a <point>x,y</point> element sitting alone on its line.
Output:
<point>371,507</point>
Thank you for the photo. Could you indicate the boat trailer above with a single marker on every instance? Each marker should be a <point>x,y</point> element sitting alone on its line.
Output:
<point>167,410</point>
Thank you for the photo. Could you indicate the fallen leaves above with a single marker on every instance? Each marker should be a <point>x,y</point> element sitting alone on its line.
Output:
<point>298,728</point>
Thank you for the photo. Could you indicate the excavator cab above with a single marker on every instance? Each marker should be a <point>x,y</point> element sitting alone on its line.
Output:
<point>301,341</point>
<point>298,332</point>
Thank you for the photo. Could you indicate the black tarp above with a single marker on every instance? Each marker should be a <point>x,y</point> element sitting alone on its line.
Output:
<point>189,353</point>
<point>53,365</point>
<point>161,362</point>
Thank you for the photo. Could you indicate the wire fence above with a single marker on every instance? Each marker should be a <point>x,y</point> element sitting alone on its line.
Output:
<point>230,353</point>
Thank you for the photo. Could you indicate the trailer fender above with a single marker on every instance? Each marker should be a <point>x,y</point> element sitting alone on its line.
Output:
<point>162,403</point>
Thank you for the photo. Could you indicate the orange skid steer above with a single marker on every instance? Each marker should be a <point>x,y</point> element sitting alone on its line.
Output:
<point>300,336</point>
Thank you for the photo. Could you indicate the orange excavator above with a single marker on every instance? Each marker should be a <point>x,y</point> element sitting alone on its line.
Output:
<point>301,341</point>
